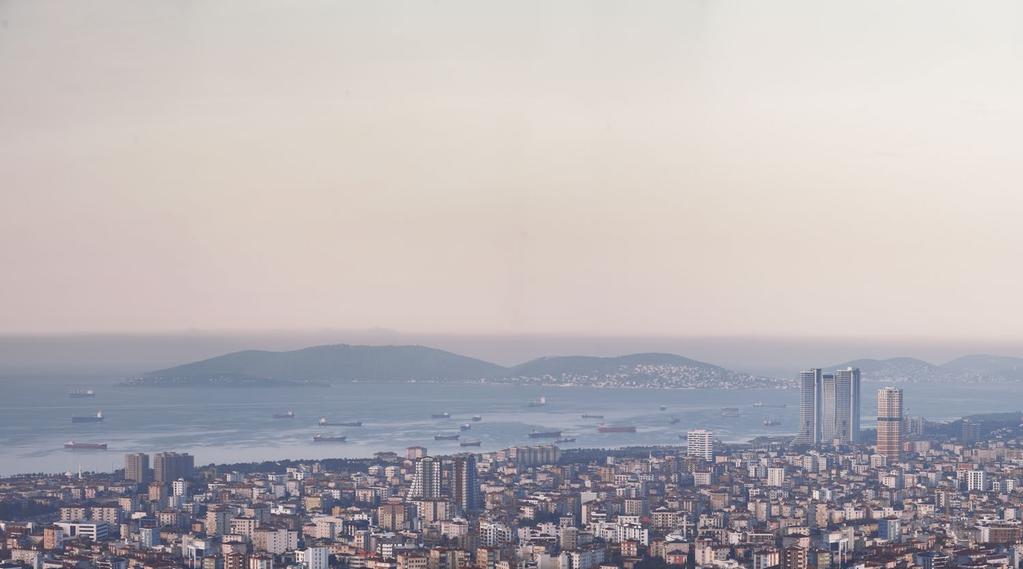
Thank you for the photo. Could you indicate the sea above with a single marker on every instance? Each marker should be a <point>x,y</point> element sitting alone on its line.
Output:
<point>229,425</point>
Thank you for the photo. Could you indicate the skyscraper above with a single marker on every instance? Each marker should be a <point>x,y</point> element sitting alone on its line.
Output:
<point>829,407</point>
<point>701,444</point>
<point>889,423</point>
<point>466,487</point>
<point>136,467</point>
<point>847,405</point>
<point>426,480</point>
<point>809,405</point>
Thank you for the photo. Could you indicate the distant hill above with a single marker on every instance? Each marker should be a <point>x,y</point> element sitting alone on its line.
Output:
<point>985,365</point>
<point>980,368</point>
<point>637,370</point>
<point>896,370</point>
<point>324,364</point>
<point>868,365</point>
<point>593,365</point>
<point>327,363</point>
<point>321,365</point>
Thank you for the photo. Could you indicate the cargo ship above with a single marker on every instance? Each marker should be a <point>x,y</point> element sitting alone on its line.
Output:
<point>318,438</point>
<point>477,418</point>
<point>81,393</point>
<point>85,446</point>
<point>591,416</point>
<point>444,415</point>
<point>538,402</point>
<point>465,427</point>
<point>289,415</point>
<point>451,437</point>
<point>616,429</point>
<point>469,443</point>
<point>97,418</point>
<point>729,412</point>
<point>324,422</point>
<point>544,434</point>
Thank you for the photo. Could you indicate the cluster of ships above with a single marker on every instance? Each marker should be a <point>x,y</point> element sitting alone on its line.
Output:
<point>555,434</point>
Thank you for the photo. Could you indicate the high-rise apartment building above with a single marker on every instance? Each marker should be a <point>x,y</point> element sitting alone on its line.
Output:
<point>847,404</point>
<point>809,405</point>
<point>829,407</point>
<point>466,486</point>
<point>136,467</point>
<point>427,479</point>
<point>701,444</point>
<point>889,423</point>
<point>169,466</point>
<point>828,411</point>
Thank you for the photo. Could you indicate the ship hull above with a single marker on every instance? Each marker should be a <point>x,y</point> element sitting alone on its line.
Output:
<point>616,429</point>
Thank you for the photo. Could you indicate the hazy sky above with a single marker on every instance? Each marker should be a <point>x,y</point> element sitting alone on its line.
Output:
<point>783,167</point>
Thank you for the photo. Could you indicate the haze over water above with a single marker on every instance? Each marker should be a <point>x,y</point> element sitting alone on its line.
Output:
<point>226,425</point>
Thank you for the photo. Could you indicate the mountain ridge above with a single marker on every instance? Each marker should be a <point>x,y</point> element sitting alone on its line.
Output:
<point>344,362</point>
<point>971,368</point>
<point>321,365</point>
<point>327,363</point>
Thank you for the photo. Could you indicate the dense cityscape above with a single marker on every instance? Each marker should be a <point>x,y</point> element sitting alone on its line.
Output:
<point>916,494</point>
<point>492,284</point>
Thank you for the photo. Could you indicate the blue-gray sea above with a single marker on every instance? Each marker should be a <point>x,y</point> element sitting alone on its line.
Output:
<point>237,425</point>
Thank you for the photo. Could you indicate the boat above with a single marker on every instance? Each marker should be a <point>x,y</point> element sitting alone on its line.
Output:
<point>81,393</point>
<point>664,407</point>
<point>477,418</point>
<point>450,437</point>
<point>475,443</point>
<point>465,427</point>
<point>318,438</point>
<point>538,402</point>
<point>616,429</point>
<point>762,404</point>
<point>85,446</point>
<point>97,418</point>
<point>289,415</point>
<point>674,421</point>
<point>565,440</point>
<point>444,415</point>
<point>544,434</point>
<point>328,423</point>
<point>729,412</point>
<point>771,422</point>
<point>591,416</point>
